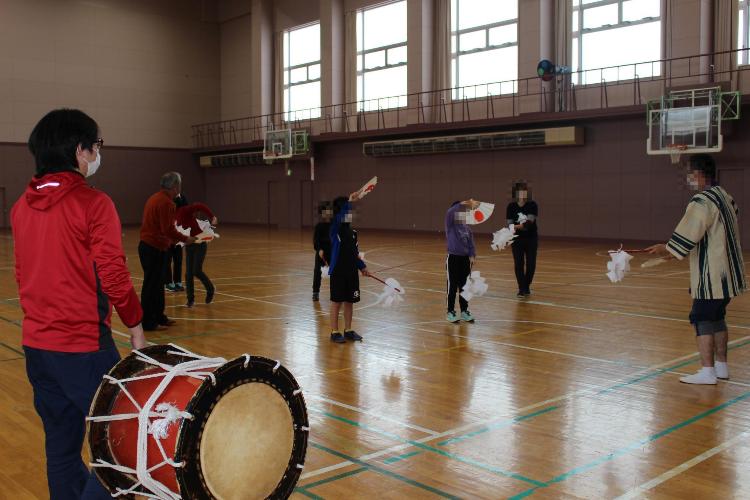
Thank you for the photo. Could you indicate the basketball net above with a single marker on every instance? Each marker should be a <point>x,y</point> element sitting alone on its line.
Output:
<point>675,150</point>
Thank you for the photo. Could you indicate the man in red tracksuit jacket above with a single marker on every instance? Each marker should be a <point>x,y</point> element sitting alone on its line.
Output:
<point>195,254</point>
<point>70,269</point>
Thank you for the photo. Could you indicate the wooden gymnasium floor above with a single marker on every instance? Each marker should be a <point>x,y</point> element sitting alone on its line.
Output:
<point>571,394</point>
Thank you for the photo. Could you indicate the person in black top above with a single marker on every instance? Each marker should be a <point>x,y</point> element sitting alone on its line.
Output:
<point>344,266</point>
<point>174,257</point>
<point>523,213</point>
<point>322,244</point>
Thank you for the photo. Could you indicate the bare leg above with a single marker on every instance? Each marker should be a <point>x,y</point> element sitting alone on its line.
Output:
<point>706,349</point>
<point>335,306</point>
<point>720,345</point>
<point>348,311</point>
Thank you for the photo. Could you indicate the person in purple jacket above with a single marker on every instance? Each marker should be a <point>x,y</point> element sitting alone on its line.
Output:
<point>461,254</point>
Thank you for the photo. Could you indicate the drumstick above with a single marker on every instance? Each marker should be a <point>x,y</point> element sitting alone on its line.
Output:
<point>383,282</point>
<point>629,251</point>
<point>654,262</point>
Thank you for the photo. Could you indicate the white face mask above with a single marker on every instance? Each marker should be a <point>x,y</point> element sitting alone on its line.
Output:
<point>93,166</point>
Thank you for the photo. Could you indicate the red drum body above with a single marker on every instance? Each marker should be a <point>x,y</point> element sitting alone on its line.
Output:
<point>228,430</point>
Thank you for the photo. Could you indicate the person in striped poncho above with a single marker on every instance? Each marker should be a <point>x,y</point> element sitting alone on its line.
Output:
<point>709,234</point>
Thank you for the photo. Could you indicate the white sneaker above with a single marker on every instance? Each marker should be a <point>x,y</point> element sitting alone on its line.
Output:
<point>722,370</point>
<point>706,376</point>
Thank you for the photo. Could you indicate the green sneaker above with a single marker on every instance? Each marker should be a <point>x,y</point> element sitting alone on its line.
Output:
<point>466,316</point>
<point>451,316</point>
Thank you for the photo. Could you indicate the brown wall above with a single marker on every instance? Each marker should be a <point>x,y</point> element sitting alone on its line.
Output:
<point>145,70</point>
<point>608,188</point>
<point>128,176</point>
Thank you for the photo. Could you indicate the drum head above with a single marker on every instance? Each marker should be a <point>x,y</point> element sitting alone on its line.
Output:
<point>248,440</point>
<point>249,436</point>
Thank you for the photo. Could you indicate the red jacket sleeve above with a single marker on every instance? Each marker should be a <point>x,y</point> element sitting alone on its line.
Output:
<point>106,251</point>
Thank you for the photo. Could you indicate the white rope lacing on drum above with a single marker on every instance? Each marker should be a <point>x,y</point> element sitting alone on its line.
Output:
<point>166,414</point>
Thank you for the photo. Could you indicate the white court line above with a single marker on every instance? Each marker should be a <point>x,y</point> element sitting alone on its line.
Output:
<point>466,427</point>
<point>638,491</point>
<point>376,415</point>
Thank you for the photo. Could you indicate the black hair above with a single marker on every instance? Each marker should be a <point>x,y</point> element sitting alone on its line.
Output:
<point>339,204</point>
<point>324,205</point>
<point>704,163</point>
<point>520,186</point>
<point>56,137</point>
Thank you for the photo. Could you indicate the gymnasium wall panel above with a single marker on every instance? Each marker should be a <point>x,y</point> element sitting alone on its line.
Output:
<point>128,175</point>
<point>145,70</point>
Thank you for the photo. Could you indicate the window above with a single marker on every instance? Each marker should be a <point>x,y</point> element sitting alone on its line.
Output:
<point>618,33</point>
<point>743,41</point>
<point>484,47</point>
<point>302,73</point>
<point>381,57</point>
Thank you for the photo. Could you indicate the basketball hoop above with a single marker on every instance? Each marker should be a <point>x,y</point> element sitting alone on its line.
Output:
<point>675,150</point>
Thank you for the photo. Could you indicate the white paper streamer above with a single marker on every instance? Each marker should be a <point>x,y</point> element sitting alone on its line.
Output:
<point>324,271</point>
<point>503,238</point>
<point>618,266</point>
<point>475,286</point>
<point>522,218</point>
<point>207,231</point>
<point>392,293</point>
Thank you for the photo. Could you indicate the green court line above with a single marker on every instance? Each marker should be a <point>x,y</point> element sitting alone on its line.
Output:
<point>498,425</point>
<point>633,446</point>
<point>12,349</point>
<point>385,472</point>
<point>444,453</point>
<point>636,380</point>
<point>308,494</point>
<point>398,458</point>
<point>334,478</point>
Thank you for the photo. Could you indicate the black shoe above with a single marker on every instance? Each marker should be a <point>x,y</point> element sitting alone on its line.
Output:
<point>190,303</point>
<point>316,297</point>
<point>210,296</point>
<point>338,338</point>
<point>520,294</point>
<point>527,293</point>
<point>352,335</point>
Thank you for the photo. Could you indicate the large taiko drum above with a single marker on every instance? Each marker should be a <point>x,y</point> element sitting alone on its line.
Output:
<point>168,423</point>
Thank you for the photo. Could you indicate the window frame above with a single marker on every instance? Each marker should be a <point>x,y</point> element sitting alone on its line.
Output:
<point>287,76</point>
<point>578,9</point>
<point>456,56</point>
<point>361,68</point>
<point>744,16</point>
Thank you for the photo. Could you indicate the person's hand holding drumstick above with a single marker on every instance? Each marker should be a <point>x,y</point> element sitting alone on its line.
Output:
<point>660,249</point>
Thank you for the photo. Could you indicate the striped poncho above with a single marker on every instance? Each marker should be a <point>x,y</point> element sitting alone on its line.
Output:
<point>709,232</point>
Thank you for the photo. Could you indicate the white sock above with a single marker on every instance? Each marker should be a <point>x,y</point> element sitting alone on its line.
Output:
<point>708,371</point>
<point>722,369</point>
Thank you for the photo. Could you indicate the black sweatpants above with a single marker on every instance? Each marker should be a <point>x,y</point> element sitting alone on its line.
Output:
<point>174,265</point>
<point>154,264</point>
<point>524,249</point>
<point>459,269</point>
<point>195,254</point>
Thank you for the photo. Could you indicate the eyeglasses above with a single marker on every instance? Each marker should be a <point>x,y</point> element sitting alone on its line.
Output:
<point>99,143</point>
